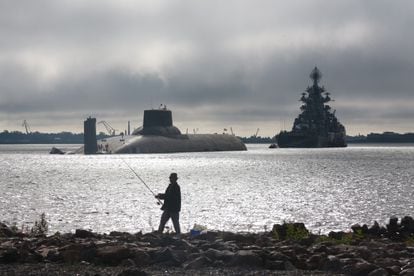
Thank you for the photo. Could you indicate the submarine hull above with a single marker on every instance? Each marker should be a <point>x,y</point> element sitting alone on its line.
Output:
<point>164,144</point>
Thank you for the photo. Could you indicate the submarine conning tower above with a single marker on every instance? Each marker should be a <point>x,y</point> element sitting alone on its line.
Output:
<point>158,122</point>
<point>157,118</point>
<point>89,136</point>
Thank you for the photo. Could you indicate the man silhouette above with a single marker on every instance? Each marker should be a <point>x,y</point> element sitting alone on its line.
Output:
<point>172,204</point>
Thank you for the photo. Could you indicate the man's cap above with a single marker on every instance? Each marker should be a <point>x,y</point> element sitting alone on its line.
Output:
<point>174,175</point>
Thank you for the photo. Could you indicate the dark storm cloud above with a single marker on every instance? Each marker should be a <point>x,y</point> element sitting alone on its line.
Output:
<point>233,62</point>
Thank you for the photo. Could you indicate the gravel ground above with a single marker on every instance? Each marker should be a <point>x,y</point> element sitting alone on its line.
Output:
<point>48,269</point>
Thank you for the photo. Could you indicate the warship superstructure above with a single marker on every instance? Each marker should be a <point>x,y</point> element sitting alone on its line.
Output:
<point>316,126</point>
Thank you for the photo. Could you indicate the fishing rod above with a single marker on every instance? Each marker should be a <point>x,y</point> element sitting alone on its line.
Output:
<point>143,182</point>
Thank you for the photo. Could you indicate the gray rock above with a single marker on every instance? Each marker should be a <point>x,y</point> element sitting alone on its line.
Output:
<point>289,266</point>
<point>336,235</point>
<point>75,252</point>
<point>9,255</point>
<point>332,263</point>
<point>359,268</point>
<point>215,254</point>
<point>407,272</point>
<point>275,265</point>
<point>5,231</point>
<point>113,254</point>
<point>379,272</point>
<point>197,263</point>
<point>246,258</point>
<point>132,272</point>
<point>407,225</point>
<point>387,262</point>
<point>56,151</point>
<point>316,261</point>
<point>394,270</point>
<point>166,256</point>
<point>409,264</point>
<point>278,256</point>
<point>81,233</point>
<point>363,252</point>
<point>141,258</point>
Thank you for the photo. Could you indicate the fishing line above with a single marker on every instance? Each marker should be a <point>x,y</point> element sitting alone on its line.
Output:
<point>143,182</point>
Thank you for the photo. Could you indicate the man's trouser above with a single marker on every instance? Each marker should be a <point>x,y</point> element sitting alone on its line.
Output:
<point>175,217</point>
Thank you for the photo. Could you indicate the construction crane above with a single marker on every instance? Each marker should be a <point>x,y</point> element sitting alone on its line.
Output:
<point>26,126</point>
<point>257,132</point>
<point>108,127</point>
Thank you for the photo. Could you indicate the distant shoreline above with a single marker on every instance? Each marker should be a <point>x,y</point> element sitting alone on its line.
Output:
<point>16,137</point>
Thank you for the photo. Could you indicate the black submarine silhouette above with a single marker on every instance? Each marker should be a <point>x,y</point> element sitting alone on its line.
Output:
<point>159,135</point>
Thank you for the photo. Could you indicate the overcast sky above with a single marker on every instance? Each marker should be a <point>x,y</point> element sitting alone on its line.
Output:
<point>216,64</point>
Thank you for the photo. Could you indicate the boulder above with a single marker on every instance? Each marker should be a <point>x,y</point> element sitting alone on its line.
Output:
<point>336,235</point>
<point>6,231</point>
<point>274,265</point>
<point>407,272</point>
<point>316,261</point>
<point>332,263</point>
<point>407,225</point>
<point>113,254</point>
<point>278,256</point>
<point>359,268</point>
<point>376,230</point>
<point>363,252</point>
<point>132,272</point>
<point>292,231</point>
<point>392,226</point>
<point>81,233</point>
<point>166,256</point>
<point>386,262</point>
<point>56,151</point>
<point>379,272</point>
<point>393,270</point>
<point>141,258</point>
<point>246,258</point>
<point>215,254</point>
<point>197,263</point>
<point>9,255</point>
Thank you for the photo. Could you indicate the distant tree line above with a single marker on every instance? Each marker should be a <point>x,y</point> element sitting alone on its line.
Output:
<point>17,137</point>
<point>385,137</point>
<point>258,140</point>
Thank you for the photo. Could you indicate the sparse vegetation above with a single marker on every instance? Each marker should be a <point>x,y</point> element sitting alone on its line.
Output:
<point>290,231</point>
<point>40,227</point>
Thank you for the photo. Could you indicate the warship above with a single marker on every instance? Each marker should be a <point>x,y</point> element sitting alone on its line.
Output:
<point>157,135</point>
<point>316,126</point>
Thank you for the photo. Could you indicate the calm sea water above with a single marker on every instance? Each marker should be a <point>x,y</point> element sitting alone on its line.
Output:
<point>327,189</point>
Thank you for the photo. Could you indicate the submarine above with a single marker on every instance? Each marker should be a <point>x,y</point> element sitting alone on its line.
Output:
<point>158,135</point>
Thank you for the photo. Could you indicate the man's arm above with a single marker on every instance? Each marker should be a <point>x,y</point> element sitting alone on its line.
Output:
<point>160,196</point>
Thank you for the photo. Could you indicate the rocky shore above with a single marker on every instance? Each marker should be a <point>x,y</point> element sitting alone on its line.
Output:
<point>289,249</point>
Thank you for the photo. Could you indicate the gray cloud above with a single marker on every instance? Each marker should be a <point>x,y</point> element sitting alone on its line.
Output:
<point>240,63</point>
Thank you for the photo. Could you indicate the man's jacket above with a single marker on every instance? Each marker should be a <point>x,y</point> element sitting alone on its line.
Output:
<point>172,198</point>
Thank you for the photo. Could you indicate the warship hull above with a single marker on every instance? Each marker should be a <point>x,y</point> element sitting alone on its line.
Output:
<point>294,140</point>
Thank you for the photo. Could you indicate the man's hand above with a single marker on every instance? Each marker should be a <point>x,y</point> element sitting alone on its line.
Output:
<point>157,196</point>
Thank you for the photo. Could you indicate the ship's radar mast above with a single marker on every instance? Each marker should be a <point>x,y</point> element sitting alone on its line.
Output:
<point>315,75</point>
